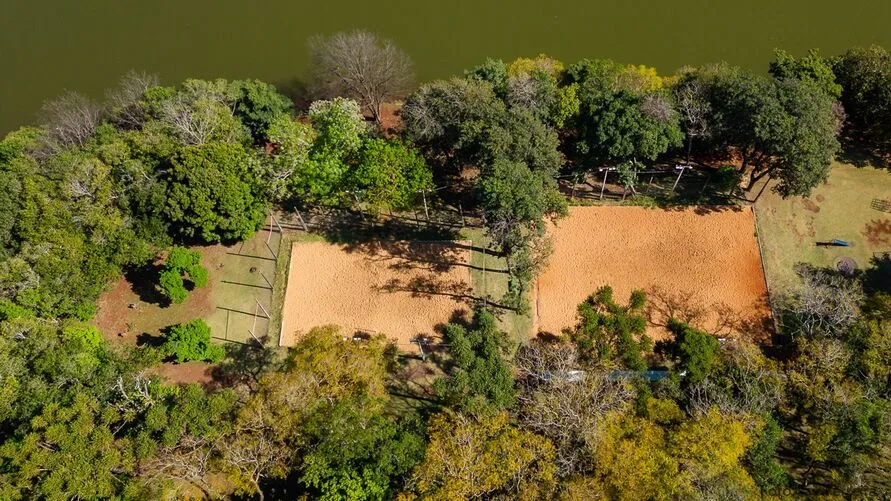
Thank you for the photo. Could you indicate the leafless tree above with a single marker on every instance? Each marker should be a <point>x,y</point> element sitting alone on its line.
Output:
<point>123,102</point>
<point>132,393</point>
<point>566,405</point>
<point>198,121</point>
<point>189,461</point>
<point>752,384</point>
<point>523,91</point>
<point>694,109</point>
<point>252,454</point>
<point>657,107</point>
<point>824,303</point>
<point>70,119</point>
<point>361,66</point>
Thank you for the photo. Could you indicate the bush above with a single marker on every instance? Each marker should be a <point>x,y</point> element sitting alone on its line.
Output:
<point>727,179</point>
<point>181,258</point>
<point>191,341</point>
<point>11,311</point>
<point>172,286</point>
<point>182,261</point>
<point>198,275</point>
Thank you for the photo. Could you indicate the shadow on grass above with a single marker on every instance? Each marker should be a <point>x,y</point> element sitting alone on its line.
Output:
<point>350,227</point>
<point>245,364</point>
<point>877,278</point>
<point>863,154</point>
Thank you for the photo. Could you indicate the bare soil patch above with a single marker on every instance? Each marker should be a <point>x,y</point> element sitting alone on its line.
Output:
<point>810,205</point>
<point>697,264</point>
<point>878,232</point>
<point>399,288</point>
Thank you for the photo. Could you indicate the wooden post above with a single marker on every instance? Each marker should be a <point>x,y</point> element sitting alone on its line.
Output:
<point>270,229</point>
<point>704,186</point>
<point>603,185</point>
<point>421,347</point>
<point>267,280</point>
<point>485,285</point>
<point>358,206</point>
<point>254,324</point>
<point>270,250</point>
<point>268,316</point>
<point>681,169</point>
<point>650,183</point>
<point>426,212</point>
<point>302,222</point>
<point>461,211</point>
<point>226,335</point>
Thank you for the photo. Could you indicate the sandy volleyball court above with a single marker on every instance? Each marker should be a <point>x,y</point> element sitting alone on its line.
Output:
<point>399,288</point>
<point>691,262</point>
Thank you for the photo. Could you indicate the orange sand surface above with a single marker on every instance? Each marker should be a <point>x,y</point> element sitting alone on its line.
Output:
<point>399,288</point>
<point>698,264</point>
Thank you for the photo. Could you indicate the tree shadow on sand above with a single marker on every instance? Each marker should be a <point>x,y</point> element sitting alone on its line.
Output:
<point>719,318</point>
<point>438,257</point>
<point>429,286</point>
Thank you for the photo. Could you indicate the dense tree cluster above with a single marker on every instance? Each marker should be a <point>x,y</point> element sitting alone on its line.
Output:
<point>597,411</point>
<point>97,187</point>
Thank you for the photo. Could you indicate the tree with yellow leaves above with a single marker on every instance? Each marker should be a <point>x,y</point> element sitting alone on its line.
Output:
<point>473,457</point>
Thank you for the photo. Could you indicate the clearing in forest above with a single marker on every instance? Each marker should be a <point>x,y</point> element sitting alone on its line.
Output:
<point>402,289</point>
<point>853,205</point>
<point>241,276</point>
<point>698,264</point>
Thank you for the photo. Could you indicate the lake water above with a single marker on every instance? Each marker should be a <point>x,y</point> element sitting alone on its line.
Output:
<point>47,46</point>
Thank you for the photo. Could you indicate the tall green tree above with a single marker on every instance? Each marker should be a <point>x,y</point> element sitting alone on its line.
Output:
<point>865,77</point>
<point>812,67</point>
<point>191,341</point>
<point>390,174</point>
<point>70,451</point>
<point>517,202</point>
<point>357,454</point>
<point>257,104</point>
<point>608,331</point>
<point>485,456</point>
<point>214,193</point>
<point>696,352</point>
<point>479,380</point>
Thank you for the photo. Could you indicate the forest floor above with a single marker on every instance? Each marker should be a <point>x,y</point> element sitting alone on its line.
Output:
<point>698,264</point>
<point>854,205</point>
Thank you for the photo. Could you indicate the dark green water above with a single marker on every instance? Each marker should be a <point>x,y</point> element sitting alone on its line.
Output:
<point>47,46</point>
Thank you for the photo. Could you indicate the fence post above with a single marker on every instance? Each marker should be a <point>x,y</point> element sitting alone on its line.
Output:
<point>302,222</point>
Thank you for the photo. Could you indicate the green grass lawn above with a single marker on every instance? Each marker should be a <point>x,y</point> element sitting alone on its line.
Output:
<point>840,209</point>
<point>246,275</point>
<point>492,284</point>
